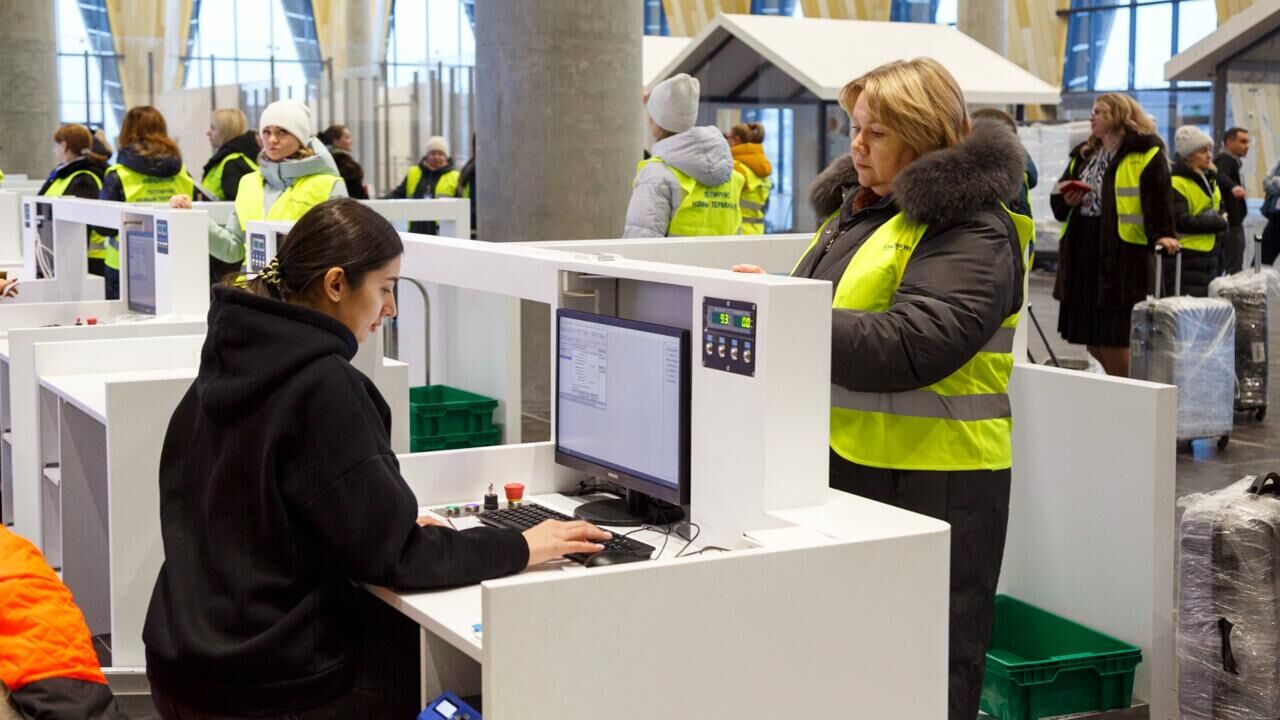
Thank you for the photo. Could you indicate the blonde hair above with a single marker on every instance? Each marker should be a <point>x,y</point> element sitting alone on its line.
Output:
<point>918,99</point>
<point>1123,114</point>
<point>230,124</point>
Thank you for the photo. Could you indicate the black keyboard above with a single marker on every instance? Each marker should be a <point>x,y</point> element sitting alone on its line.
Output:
<point>527,515</point>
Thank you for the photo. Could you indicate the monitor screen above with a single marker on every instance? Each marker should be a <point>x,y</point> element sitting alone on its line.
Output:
<point>140,250</point>
<point>622,407</point>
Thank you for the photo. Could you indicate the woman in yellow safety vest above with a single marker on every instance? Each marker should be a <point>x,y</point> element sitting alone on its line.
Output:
<point>295,173</point>
<point>926,262</point>
<point>750,162</point>
<point>148,169</point>
<point>1198,214</point>
<point>688,186</point>
<point>234,151</point>
<point>433,177</point>
<point>1110,231</point>
<point>79,174</point>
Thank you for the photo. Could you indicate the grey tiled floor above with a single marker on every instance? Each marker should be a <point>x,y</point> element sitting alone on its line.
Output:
<point>1254,447</point>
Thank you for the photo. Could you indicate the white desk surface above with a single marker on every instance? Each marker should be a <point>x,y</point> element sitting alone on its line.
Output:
<point>453,614</point>
<point>4,347</point>
<point>88,392</point>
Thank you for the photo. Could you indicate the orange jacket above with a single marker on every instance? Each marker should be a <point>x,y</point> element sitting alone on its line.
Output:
<point>42,633</point>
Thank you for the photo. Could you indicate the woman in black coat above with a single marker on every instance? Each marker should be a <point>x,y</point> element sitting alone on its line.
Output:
<point>1101,273</point>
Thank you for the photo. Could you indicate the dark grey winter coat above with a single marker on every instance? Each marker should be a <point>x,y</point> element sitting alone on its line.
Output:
<point>964,278</point>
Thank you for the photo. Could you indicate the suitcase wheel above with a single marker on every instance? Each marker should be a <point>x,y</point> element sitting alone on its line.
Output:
<point>1222,442</point>
<point>1260,413</point>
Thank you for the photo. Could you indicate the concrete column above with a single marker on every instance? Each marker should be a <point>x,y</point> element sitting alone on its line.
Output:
<point>29,86</point>
<point>558,85</point>
<point>986,21</point>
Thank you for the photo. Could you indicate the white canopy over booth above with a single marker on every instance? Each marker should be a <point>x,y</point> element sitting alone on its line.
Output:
<point>800,64</point>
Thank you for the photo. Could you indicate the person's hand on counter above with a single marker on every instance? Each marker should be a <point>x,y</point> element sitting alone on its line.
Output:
<point>553,539</point>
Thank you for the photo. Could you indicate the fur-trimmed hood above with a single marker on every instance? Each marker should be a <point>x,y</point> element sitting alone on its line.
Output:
<point>944,185</point>
<point>947,185</point>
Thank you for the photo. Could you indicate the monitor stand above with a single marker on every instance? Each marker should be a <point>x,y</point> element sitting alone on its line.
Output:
<point>636,510</point>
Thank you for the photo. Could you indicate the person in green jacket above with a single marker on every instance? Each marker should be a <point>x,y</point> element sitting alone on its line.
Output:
<point>433,177</point>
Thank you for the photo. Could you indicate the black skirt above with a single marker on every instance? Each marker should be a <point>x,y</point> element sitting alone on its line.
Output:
<point>1080,319</point>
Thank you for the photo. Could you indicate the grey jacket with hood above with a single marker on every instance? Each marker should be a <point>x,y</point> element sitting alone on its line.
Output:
<point>702,153</point>
<point>226,243</point>
<point>963,279</point>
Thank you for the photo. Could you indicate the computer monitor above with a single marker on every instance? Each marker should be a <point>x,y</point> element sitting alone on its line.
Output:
<point>140,249</point>
<point>622,413</point>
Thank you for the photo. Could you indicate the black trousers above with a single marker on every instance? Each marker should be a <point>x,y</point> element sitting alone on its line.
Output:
<point>1271,241</point>
<point>97,266</point>
<point>111,282</point>
<point>1232,250</point>
<point>387,676</point>
<point>976,504</point>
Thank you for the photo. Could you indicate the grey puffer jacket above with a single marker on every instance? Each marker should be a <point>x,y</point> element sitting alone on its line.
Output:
<point>702,153</point>
<point>963,279</point>
<point>226,243</point>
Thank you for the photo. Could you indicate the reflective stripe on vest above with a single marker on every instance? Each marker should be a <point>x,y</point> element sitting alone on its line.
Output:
<point>962,422</point>
<point>142,188</point>
<point>213,178</point>
<point>705,211</point>
<point>755,197</point>
<point>1129,196</point>
<point>1198,201</point>
<point>305,193</point>
<point>58,188</point>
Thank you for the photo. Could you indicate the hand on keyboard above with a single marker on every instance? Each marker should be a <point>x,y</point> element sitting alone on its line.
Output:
<point>554,538</point>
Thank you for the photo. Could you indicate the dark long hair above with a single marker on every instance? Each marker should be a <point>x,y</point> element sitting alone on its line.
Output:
<point>336,233</point>
<point>145,131</point>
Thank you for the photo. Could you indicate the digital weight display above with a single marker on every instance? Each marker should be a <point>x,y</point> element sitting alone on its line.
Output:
<point>731,320</point>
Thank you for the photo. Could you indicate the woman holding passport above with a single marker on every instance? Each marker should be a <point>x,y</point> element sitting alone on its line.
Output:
<point>1114,202</point>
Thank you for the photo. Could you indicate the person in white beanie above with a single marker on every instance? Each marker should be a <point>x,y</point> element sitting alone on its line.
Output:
<point>1198,214</point>
<point>688,186</point>
<point>434,176</point>
<point>295,173</point>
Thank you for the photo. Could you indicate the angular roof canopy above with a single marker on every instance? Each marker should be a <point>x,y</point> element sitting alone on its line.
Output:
<point>657,52</point>
<point>777,60</point>
<point>1248,40</point>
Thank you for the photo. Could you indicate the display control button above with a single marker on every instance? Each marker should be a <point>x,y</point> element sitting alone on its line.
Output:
<point>746,356</point>
<point>710,348</point>
<point>721,351</point>
<point>733,353</point>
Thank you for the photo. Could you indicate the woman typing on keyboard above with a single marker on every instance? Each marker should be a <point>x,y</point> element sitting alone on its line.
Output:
<point>279,492</point>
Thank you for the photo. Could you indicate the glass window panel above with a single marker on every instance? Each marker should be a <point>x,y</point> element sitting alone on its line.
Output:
<point>947,12</point>
<point>1154,45</point>
<point>1196,19</point>
<point>1113,69</point>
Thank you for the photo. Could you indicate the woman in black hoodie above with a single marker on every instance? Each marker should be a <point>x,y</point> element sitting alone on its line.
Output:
<point>279,492</point>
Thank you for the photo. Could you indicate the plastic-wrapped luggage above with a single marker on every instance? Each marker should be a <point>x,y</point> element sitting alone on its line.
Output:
<point>1229,603</point>
<point>1247,293</point>
<point>1188,342</point>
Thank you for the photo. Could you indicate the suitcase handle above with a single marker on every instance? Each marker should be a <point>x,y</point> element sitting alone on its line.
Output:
<point>1269,484</point>
<point>1177,273</point>
<point>1257,253</point>
<point>1225,627</point>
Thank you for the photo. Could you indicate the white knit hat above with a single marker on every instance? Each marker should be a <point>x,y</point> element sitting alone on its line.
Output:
<point>673,103</point>
<point>1189,140</point>
<point>435,142</point>
<point>290,115</point>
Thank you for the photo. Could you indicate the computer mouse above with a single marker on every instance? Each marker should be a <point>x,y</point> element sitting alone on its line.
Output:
<point>613,557</point>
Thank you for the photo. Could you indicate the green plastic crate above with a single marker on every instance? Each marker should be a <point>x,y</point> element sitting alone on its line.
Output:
<point>439,410</point>
<point>427,443</point>
<point>1041,665</point>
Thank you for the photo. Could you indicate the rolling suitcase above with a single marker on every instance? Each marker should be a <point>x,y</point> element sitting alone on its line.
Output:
<point>1188,342</point>
<point>1228,640</point>
<point>1247,293</point>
